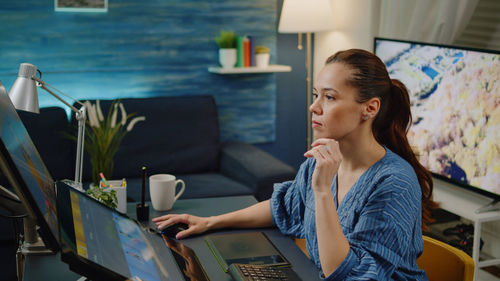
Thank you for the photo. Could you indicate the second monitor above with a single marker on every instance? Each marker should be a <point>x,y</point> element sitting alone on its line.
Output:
<point>27,174</point>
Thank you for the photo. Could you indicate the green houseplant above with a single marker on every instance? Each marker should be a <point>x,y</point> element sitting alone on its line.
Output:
<point>104,136</point>
<point>226,40</point>
<point>227,48</point>
<point>101,194</point>
<point>102,140</point>
<point>261,50</point>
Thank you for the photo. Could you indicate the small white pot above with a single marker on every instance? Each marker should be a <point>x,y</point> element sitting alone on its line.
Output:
<point>227,58</point>
<point>120,186</point>
<point>262,60</point>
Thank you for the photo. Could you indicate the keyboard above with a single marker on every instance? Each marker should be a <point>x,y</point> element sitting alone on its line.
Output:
<point>254,272</point>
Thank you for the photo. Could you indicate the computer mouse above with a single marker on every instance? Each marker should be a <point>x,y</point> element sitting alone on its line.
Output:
<point>172,230</point>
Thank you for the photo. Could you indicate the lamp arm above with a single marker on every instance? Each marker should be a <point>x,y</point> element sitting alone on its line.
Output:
<point>80,116</point>
<point>60,92</point>
<point>42,85</point>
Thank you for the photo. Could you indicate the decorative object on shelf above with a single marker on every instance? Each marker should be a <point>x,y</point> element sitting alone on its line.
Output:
<point>227,48</point>
<point>244,51</point>
<point>262,56</point>
<point>104,136</point>
<point>299,16</point>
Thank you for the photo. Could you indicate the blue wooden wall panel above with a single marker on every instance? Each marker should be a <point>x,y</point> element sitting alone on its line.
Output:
<point>144,49</point>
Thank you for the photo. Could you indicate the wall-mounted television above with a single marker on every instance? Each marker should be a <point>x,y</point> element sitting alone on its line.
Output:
<point>455,104</point>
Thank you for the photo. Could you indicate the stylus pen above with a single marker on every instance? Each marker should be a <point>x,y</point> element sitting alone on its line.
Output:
<point>143,197</point>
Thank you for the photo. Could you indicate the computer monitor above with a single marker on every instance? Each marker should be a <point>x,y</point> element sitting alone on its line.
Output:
<point>455,103</point>
<point>26,173</point>
<point>102,244</point>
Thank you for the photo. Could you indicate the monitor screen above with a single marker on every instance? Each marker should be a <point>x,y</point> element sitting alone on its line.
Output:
<point>26,172</point>
<point>455,104</point>
<point>103,244</point>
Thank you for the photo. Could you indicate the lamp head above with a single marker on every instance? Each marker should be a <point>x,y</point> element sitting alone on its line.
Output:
<point>23,93</point>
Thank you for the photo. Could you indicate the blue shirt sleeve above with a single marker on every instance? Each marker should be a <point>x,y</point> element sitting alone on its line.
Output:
<point>380,217</point>
<point>383,235</point>
<point>287,203</point>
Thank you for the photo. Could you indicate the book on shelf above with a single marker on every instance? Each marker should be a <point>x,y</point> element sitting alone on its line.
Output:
<point>246,51</point>
<point>252,50</point>
<point>239,52</point>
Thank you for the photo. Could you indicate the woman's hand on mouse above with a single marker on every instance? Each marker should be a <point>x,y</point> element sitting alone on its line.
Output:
<point>196,224</point>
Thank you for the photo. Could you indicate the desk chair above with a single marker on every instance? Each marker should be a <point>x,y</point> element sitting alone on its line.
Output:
<point>301,243</point>
<point>443,262</point>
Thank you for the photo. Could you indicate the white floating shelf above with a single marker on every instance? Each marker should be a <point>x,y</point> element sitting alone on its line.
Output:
<point>251,69</point>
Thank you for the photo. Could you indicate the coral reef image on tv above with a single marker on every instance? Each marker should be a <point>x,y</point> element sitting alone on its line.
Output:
<point>455,101</point>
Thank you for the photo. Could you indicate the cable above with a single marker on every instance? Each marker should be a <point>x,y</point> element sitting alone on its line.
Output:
<point>11,199</point>
<point>13,217</point>
<point>8,194</point>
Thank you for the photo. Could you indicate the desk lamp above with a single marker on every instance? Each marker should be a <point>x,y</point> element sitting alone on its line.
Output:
<point>306,16</point>
<point>24,97</point>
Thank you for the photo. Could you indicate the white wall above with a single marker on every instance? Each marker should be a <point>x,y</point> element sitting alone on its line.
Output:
<point>356,24</point>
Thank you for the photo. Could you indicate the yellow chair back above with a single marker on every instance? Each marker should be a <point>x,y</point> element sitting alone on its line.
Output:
<point>301,243</point>
<point>443,262</point>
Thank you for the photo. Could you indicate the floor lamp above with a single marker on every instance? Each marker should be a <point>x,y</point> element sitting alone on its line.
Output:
<point>306,16</point>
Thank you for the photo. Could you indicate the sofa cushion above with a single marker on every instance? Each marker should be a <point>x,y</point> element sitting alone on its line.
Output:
<point>212,185</point>
<point>197,186</point>
<point>253,167</point>
<point>179,136</point>
<point>47,133</point>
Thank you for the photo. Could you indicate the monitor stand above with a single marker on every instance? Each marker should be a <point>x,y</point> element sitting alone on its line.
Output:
<point>32,244</point>
<point>492,206</point>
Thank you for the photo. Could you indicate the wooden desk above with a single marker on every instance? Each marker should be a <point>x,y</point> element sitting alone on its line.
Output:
<point>51,268</point>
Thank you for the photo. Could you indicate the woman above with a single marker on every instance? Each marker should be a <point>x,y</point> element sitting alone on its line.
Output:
<point>361,198</point>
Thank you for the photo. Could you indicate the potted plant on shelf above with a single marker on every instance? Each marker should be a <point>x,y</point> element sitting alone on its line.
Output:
<point>262,56</point>
<point>227,48</point>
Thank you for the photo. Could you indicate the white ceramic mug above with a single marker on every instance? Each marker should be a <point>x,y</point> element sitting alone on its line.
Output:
<point>162,191</point>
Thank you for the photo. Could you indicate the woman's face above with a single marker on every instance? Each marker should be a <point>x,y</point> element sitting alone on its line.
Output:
<point>335,112</point>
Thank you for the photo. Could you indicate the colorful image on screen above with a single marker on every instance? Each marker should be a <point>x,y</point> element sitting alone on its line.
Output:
<point>35,182</point>
<point>112,241</point>
<point>455,100</point>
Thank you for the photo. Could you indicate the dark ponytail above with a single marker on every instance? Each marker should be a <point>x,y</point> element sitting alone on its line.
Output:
<point>390,127</point>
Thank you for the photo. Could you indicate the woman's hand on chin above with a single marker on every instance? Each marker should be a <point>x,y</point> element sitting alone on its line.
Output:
<point>328,157</point>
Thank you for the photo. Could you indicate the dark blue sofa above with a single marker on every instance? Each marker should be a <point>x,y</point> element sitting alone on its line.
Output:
<point>180,136</point>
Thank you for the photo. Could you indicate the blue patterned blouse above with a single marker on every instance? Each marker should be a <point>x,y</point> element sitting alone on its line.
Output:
<point>380,216</point>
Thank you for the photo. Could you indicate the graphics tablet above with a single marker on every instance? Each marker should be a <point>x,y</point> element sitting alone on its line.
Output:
<point>244,248</point>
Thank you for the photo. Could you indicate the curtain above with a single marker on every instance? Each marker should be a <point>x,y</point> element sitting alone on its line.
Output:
<point>436,21</point>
